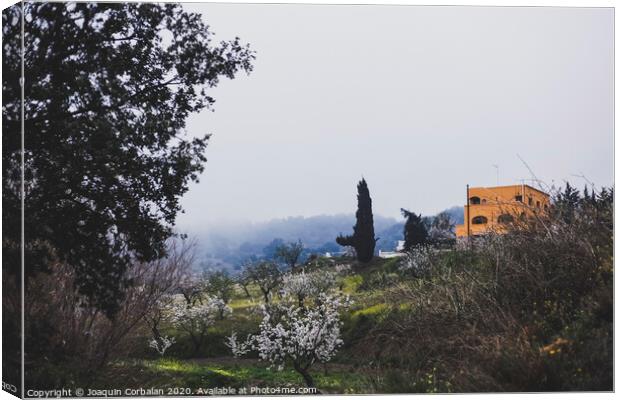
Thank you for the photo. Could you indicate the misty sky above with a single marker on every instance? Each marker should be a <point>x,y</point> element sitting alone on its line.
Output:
<point>418,100</point>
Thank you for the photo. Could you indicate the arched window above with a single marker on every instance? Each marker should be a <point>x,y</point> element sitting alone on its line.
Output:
<point>474,200</point>
<point>505,219</point>
<point>479,220</point>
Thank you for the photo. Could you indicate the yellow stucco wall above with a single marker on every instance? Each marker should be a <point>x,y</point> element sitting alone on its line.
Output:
<point>487,204</point>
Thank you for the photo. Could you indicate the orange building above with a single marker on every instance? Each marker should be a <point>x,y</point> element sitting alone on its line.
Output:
<point>490,209</point>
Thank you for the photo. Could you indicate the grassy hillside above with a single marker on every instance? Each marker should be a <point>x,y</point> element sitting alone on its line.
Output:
<point>529,310</point>
<point>439,331</point>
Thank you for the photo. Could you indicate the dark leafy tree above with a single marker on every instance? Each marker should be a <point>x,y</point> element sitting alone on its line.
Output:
<point>566,203</point>
<point>570,203</point>
<point>108,91</point>
<point>289,253</point>
<point>415,230</point>
<point>589,196</point>
<point>363,239</point>
<point>604,198</point>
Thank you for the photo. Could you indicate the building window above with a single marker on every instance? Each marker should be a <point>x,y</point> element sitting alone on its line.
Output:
<point>484,201</point>
<point>505,219</point>
<point>546,207</point>
<point>538,204</point>
<point>474,200</point>
<point>479,220</point>
<point>519,198</point>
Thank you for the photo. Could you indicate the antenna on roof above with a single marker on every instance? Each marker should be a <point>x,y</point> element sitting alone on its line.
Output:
<point>496,173</point>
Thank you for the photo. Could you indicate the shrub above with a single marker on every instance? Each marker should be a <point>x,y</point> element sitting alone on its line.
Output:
<point>529,310</point>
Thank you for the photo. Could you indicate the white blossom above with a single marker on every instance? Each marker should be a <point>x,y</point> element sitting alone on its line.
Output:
<point>301,335</point>
<point>162,344</point>
<point>342,269</point>
<point>204,313</point>
<point>238,348</point>
<point>307,285</point>
<point>419,260</point>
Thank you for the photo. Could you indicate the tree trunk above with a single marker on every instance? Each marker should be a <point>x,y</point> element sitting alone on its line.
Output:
<point>196,342</point>
<point>300,300</point>
<point>307,377</point>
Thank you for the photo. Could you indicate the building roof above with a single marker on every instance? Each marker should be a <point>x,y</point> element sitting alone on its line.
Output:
<point>508,186</point>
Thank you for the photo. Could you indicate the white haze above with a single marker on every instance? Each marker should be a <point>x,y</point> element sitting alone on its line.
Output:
<point>418,100</point>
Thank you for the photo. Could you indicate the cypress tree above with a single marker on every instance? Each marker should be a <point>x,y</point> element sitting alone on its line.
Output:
<point>363,238</point>
<point>415,231</point>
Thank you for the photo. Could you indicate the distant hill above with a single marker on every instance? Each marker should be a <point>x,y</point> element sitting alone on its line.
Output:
<point>389,237</point>
<point>228,247</point>
<point>456,213</point>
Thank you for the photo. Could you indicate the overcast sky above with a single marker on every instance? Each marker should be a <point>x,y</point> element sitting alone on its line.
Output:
<point>418,100</point>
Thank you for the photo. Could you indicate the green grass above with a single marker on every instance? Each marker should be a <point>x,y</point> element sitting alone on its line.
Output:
<point>372,310</point>
<point>242,303</point>
<point>214,367</point>
<point>351,283</point>
<point>170,372</point>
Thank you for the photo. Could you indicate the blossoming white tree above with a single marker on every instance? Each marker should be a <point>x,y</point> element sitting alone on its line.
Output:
<point>307,285</point>
<point>196,318</point>
<point>300,335</point>
<point>419,260</point>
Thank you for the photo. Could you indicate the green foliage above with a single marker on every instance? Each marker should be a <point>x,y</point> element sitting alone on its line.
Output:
<point>219,284</point>
<point>171,372</point>
<point>377,280</point>
<point>107,160</point>
<point>372,310</point>
<point>415,231</point>
<point>266,276</point>
<point>404,381</point>
<point>530,310</point>
<point>363,238</point>
<point>352,283</point>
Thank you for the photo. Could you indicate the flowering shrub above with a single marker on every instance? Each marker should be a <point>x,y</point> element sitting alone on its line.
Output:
<point>195,319</point>
<point>238,348</point>
<point>161,344</point>
<point>307,285</point>
<point>300,335</point>
<point>203,313</point>
<point>342,269</point>
<point>419,260</point>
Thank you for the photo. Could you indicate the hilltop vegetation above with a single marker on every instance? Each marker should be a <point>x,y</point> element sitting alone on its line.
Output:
<point>229,247</point>
<point>527,311</point>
